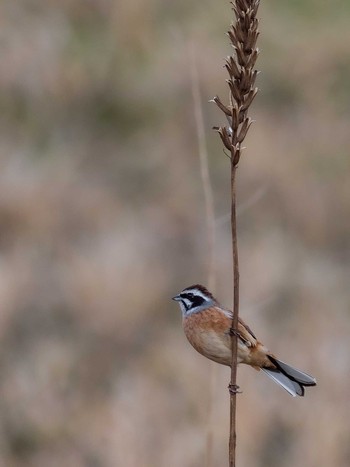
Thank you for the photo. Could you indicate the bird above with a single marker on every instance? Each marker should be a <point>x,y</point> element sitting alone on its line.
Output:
<point>208,328</point>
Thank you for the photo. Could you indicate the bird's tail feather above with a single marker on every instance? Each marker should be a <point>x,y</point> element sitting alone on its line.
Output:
<point>293,373</point>
<point>291,379</point>
<point>292,387</point>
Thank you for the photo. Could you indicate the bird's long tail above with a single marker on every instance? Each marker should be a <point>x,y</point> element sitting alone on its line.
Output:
<point>291,379</point>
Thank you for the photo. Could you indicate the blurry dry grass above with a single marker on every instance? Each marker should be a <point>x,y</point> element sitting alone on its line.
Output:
<point>102,220</point>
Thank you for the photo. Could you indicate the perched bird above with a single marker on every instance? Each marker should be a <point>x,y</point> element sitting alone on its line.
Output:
<point>207,326</point>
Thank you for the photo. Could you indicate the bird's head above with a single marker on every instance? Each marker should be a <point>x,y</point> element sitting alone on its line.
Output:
<point>194,299</point>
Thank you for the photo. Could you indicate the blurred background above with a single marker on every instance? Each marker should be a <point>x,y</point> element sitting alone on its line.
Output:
<point>102,220</point>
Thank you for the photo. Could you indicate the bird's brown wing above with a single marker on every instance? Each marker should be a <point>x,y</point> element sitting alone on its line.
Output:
<point>244,332</point>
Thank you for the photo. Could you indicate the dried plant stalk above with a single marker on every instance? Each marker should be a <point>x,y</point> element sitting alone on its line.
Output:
<point>240,66</point>
<point>210,228</point>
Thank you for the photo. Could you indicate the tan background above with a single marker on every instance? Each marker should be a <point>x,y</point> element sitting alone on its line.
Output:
<point>102,220</point>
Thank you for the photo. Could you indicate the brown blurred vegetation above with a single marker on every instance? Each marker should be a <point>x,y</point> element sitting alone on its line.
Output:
<point>102,220</point>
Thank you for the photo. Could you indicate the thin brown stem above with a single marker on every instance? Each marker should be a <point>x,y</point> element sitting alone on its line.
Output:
<point>210,230</point>
<point>240,66</point>
<point>204,171</point>
<point>233,382</point>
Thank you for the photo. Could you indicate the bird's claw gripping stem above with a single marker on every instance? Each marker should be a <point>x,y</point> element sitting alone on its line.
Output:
<point>234,389</point>
<point>234,332</point>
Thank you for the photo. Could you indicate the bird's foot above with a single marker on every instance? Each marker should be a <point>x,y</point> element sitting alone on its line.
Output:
<point>233,332</point>
<point>234,389</point>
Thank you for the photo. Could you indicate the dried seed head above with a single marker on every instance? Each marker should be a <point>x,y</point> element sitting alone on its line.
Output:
<point>240,66</point>
<point>221,106</point>
<point>225,137</point>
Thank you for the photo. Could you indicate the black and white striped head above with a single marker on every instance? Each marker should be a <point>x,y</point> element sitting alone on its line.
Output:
<point>194,299</point>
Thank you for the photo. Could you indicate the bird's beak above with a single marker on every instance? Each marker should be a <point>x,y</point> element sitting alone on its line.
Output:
<point>176,298</point>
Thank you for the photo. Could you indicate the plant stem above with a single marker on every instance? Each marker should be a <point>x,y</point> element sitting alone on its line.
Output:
<point>210,230</point>
<point>240,66</point>
<point>233,382</point>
